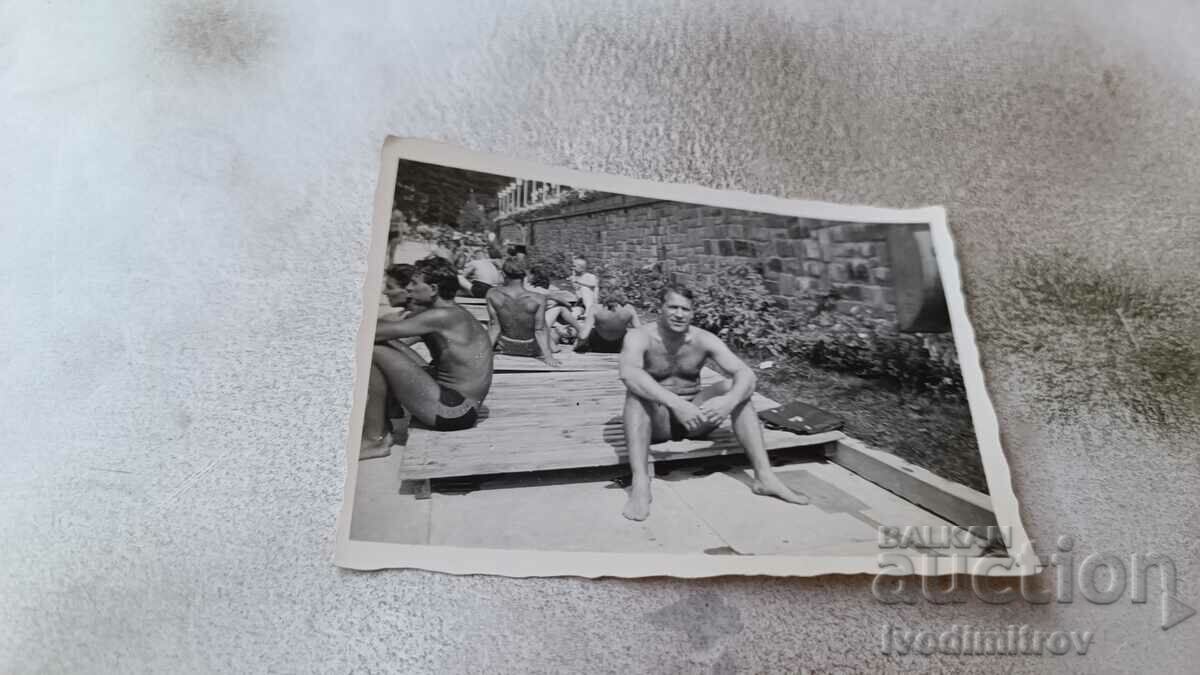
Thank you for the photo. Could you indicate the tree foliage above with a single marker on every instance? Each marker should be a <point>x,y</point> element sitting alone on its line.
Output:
<point>439,195</point>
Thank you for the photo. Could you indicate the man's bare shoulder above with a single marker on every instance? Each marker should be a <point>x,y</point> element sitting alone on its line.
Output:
<point>705,339</point>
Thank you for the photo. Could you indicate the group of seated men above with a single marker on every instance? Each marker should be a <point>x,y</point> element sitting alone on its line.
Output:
<point>659,364</point>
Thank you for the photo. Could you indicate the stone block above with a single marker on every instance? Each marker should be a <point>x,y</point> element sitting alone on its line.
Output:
<point>787,284</point>
<point>876,296</point>
<point>881,275</point>
<point>845,250</point>
<point>776,220</point>
<point>806,285</point>
<point>736,231</point>
<point>859,271</point>
<point>793,266</point>
<point>814,269</point>
<point>782,302</point>
<point>849,291</point>
<point>774,264</point>
<point>754,221</point>
<point>783,248</point>
<point>743,248</point>
<point>712,211</point>
<point>800,228</point>
<point>812,249</point>
<point>772,287</point>
<point>725,247</point>
<point>860,232</point>
<point>826,244</point>
<point>720,230</point>
<point>839,272</point>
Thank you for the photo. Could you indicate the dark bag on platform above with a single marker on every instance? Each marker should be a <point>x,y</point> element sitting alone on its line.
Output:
<point>801,418</point>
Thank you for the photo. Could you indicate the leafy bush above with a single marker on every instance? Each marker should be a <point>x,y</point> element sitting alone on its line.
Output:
<point>556,264</point>
<point>640,285</point>
<point>739,310</point>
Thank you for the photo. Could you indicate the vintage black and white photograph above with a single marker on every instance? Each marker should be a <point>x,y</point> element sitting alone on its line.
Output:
<point>561,376</point>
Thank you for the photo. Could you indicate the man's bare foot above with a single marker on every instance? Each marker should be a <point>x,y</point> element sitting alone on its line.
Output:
<point>375,447</point>
<point>638,506</point>
<point>773,487</point>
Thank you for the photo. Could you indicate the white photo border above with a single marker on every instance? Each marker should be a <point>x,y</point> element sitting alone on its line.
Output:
<point>370,555</point>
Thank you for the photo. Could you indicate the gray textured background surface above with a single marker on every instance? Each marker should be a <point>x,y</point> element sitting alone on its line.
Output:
<point>185,200</point>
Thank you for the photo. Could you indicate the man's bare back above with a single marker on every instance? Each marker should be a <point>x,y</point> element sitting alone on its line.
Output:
<point>457,350</point>
<point>515,310</point>
<point>518,316</point>
<point>611,324</point>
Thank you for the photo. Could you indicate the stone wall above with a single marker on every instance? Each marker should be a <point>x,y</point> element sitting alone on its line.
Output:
<point>800,258</point>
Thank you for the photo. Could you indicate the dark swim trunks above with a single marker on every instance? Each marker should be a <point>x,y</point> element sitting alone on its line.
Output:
<point>456,412</point>
<point>479,289</point>
<point>680,433</point>
<point>600,345</point>
<point>515,347</point>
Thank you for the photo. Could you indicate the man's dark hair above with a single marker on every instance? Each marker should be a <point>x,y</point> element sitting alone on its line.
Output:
<point>677,289</point>
<point>611,296</point>
<point>513,268</point>
<point>538,277</point>
<point>439,273</point>
<point>401,273</point>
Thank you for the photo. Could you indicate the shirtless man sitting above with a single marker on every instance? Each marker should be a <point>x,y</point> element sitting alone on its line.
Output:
<point>444,394</point>
<point>517,317</point>
<point>660,366</point>
<point>479,275</point>
<point>605,326</point>
<point>583,282</point>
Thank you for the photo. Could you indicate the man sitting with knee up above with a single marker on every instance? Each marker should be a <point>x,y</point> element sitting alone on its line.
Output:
<point>517,316</point>
<point>444,394</point>
<point>605,325</point>
<point>660,366</point>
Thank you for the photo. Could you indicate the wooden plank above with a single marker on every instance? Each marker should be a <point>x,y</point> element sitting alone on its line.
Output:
<point>547,421</point>
<point>571,362</point>
<point>955,502</point>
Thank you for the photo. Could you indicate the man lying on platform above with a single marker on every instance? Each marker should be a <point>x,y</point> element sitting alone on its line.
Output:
<point>559,305</point>
<point>517,317</point>
<point>660,366</point>
<point>444,394</point>
<point>605,325</point>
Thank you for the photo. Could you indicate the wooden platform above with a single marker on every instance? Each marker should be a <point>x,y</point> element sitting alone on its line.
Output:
<point>559,420</point>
